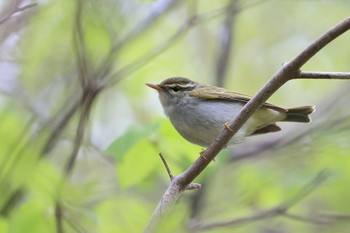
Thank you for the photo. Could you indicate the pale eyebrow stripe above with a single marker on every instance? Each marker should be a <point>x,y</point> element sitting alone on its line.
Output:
<point>185,86</point>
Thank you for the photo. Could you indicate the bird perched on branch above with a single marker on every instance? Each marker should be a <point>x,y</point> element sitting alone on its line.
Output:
<point>199,112</point>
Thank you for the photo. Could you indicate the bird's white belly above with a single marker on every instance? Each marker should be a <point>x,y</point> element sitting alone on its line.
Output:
<point>202,122</point>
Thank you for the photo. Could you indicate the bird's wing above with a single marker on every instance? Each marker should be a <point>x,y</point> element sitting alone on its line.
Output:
<point>206,92</point>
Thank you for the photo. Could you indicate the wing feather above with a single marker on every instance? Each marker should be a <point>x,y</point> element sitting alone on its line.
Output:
<point>217,93</point>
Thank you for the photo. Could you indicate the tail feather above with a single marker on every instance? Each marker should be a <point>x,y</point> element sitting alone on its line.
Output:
<point>299,114</point>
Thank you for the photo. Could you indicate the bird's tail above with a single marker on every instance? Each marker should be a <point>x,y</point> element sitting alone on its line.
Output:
<point>299,114</point>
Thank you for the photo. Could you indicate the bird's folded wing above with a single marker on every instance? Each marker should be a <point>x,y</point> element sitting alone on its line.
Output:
<point>208,92</point>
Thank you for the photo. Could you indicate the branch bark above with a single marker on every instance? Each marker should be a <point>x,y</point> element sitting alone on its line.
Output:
<point>323,75</point>
<point>15,10</point>
<point>288,71</point>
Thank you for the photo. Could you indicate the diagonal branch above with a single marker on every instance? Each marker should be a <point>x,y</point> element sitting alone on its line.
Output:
<point>287,72</point>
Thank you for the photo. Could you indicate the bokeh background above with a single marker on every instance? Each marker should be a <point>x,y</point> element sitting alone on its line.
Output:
<point>80,132</point>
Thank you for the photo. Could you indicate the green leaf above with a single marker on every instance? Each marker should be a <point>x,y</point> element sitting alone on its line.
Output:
<point>31,216</point>
<point>137,164</point>
<point>120,146</point>
<point>122,214</point>
<point>3,225</point>
<point>97,38</point>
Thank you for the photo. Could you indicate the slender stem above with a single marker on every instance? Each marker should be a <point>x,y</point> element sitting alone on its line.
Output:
<point>323,75</point>
<point>59,219</point>
<point>166,166</point>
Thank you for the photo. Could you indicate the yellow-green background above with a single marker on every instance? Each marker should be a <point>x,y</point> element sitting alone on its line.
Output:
<point>118,178</point>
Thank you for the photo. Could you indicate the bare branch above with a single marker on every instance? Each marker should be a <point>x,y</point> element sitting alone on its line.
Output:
<point>286,73</point>
<point>84,116</point>
<point>323,75</point>
<point>67,111</point>
<point>59,218</point>
<point>311,220</point>
<point>16,9</point>
<point>80,46</point>
<point>336,216</point>
<point>320,218</point>
<point>280,210</point>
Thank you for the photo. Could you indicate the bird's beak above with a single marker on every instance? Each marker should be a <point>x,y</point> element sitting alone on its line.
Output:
<point>155,86</point>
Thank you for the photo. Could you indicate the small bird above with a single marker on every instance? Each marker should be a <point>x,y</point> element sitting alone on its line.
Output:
<point>199,112</point>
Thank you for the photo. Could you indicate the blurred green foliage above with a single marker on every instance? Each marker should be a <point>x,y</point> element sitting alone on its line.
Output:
<point>118,177</point>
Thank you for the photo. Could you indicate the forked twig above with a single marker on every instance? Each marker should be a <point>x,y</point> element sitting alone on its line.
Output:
<point>191,186</point>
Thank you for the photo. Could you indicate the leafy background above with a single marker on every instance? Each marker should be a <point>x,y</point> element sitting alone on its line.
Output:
<point>118,177</point>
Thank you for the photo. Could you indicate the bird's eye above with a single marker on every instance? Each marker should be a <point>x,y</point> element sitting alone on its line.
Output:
<point>176,89</point>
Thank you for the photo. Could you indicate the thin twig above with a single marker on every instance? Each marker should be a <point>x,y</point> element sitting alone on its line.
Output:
<point>66,112</point>
<point>323,75</point>
<point>59,218</point>
<point>80,46</point>
<point>336,216</point>
<point>16,9</point>
<point>166,166</point>
<point>191,186</point>
<point>310,220</point>
<point>84,116</point>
